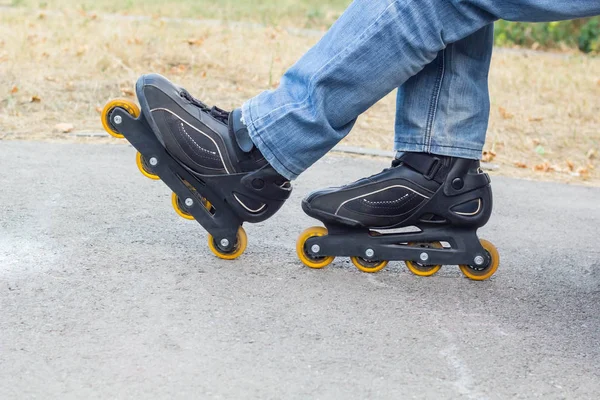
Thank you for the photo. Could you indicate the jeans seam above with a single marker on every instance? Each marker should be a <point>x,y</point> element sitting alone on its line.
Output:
<point>433,104</point>
<point>328,63</point>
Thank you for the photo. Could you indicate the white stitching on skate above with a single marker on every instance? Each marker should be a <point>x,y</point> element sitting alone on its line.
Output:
<point>247,208</point>
<point>212,140</point>
<point>377,191</point>
<point>386,202</point>
<point>214,153</point>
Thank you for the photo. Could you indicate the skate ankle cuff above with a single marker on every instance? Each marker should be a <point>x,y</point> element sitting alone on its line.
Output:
<point>430,166</point>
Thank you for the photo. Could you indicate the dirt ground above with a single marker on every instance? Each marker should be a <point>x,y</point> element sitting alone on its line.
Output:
<point>58,68</point>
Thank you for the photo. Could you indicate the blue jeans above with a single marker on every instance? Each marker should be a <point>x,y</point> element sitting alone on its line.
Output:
<point>437,52</point>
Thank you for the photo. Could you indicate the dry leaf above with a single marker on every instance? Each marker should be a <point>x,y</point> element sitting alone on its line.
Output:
<point>135,40</point>
<point>35,99</point>
<point>488,156</point>
<point>82,50</point>
<point>195,42</point>
<point>50,79</point>
<point>505,114</point>
<point>591,154</point>
<point>14,90</point>
<point>520,165</point>
<point>64,128</point>
<point>535,119</point>
<point>203,74</point>
<point>570,165</point>
<point>127,92</point>
<point>535,141</point>
<point>583,172</point>
<point>545,167</point>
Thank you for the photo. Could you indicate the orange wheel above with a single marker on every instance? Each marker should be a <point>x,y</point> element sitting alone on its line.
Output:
<point>145,167</point>
<point>423,269</point>
<point>368,266</point>
<point>235,252</point>
<point>180,208</point>
<point>307,259</point>
<point>480,274</point>
<point>125,104</point>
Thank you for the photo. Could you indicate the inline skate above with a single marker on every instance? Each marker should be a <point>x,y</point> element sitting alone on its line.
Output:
<point>425,210</point>
<point>204,155</point>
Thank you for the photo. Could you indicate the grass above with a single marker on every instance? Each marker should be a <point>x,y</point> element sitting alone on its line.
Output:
<point>61,67</point>
<point>304,13</point>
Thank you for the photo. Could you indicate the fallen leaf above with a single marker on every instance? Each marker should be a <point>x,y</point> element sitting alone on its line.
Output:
<point>203,74</point>
<point>535,141</point>
<point>98,109</point>
<point>535,119</point>
<point>583,172</point>
<point>35,99</point>
<point>195,42</point>
<point>50,79</point>
<point>505,114</point>
<point>591,154</point>
<point>570,165</point>
<point>544,167</point>
<point>488,156</point>
<point>82,50</point>
<point>520,165</point>
<point>64,127</point>
<point>127,92</point>
<point>14,90</point>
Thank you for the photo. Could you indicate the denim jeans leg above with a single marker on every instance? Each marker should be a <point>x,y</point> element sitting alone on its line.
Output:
<point>444,109</point>
<point>374,47</point>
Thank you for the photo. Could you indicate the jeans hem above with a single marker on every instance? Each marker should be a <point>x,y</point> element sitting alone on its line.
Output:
<point>442,150</point>
<point>265,146</point>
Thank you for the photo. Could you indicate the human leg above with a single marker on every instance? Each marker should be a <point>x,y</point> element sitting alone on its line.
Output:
<point>373,48</point>
<point>444,109</point>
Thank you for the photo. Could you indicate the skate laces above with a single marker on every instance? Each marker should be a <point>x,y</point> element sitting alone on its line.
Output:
<point>214,111</point>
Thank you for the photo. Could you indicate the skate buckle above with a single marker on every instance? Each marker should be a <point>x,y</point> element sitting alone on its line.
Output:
<point>434,169</point>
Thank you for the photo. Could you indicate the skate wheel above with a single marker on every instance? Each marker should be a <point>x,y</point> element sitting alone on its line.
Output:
<point>483,273</point>
<point>367,265</point>
<point>305,257</point>
<point>125,104</point>
<point>235,252</point>
<point>424,269</point>
<point>180,208</point>
<point>144,167</point>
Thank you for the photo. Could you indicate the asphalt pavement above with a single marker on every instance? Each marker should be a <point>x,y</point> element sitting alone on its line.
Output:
<point>106,293</point>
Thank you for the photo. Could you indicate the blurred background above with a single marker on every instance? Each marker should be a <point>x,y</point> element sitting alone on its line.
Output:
<point>61,60</point>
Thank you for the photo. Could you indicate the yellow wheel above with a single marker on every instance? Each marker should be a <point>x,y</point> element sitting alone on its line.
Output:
<point>424,269</point>
<point>305,257</point>
<point>368,266</point>
<point>180,208</point>
<point>144,167</point>
<point>235,252</point>
<point>125,104</point>
<point>483,273</point>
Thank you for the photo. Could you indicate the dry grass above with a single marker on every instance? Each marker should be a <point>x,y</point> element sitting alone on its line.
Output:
<point>545,108</point>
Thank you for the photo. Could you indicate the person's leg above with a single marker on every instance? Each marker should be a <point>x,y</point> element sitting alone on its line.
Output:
<point>444,109</point>
<point>373,48</point>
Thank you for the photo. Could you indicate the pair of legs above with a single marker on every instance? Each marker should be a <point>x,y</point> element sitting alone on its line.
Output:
<point>228,168</point>
<point>437,52</point>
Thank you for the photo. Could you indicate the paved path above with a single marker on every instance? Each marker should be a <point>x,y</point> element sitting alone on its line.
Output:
<point>106,293</point>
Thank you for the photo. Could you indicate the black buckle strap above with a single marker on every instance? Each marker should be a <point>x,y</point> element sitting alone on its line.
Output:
<point>426,164</point>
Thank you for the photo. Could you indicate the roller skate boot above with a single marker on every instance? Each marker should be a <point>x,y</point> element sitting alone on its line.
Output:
<point>425,210</point>
<point>205,156</point>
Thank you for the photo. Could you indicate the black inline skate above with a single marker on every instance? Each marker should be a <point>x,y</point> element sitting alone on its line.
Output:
<point>439,201</point>
<point>204,155</point>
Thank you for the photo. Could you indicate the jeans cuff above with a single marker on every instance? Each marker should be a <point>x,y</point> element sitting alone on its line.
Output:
<point>265,145</point>
<point>439,149</point>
